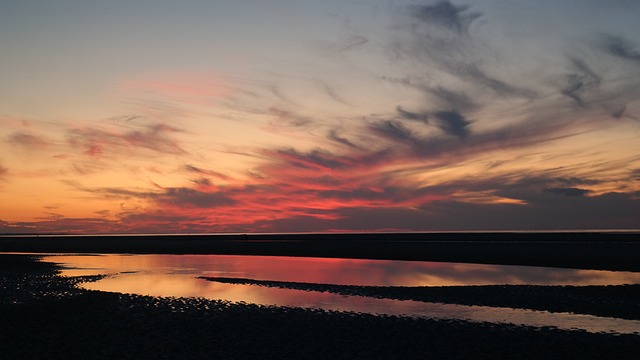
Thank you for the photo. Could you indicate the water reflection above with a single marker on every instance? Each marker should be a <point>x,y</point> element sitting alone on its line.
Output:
<point>340,271</point>
<point>176,276</point>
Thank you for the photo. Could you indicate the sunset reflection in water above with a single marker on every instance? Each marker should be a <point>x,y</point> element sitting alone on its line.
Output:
<point>334,271</point>
<point>177,276</point>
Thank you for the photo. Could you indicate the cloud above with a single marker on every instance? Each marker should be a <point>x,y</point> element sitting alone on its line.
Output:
<point>451,215</point>
<point>454,100</point>
<point>454,138</point>
<point>28,141</point>
<point>202,182</point>
<point>331,92</point>
<point>618,46</point>
<point>424,118</point>
<point>284,118</point>
<point>178,88</point>
<point>353,42</point>
<point>567,191</point>
<point>64,225</point>
<point>334,135</point>
<point>450,122</point>
<point>472,72</point>
<point>534,185</point>
<point>582,79</point>
<point>446,15</point>
<point>51,216</point>
<point>314,159</point>
<point>181,197</point>
<point>394,130</point>
<point>437,60</point>
<point>555,213</point>
<point>417,146</point>
<point>194,169</point>
<point>185,197</point>
<point>153,137</point>
<point>103,213</point>
<point>163,222</point>
<point>453,123</point>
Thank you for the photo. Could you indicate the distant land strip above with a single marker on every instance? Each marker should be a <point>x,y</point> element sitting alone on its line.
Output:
<point>580,250</point>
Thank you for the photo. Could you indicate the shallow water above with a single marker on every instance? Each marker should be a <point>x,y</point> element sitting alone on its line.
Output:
<point>176,276</point>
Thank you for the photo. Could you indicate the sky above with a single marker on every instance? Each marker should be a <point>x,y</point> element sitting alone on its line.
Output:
<point>309,116</point>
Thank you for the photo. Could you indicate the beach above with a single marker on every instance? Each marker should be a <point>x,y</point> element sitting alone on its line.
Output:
<point>44,315</point>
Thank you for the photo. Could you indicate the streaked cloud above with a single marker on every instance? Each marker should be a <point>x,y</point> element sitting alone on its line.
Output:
<point>435,116</point>
<point>94,142</point>
<point>618,46</point>
<point>27,141</point>
<point>580,80</point>
<point>567,191</point>
<point>456,18</point>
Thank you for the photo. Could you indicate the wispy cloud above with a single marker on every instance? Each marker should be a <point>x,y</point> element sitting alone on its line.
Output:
<point>334,135</point>
<point>418,118</point>
<point>567,191</point>
<point>95,142</point>
<point>453,100</point>
<point>450,122</point>
<point>197,170</point>
<point>287,119</point>
<point>27,141</point>
<point>579,81</point>
<point>185,197</point>
<point>352,42</point>
<point>456,18</point>
<point>618,46</point>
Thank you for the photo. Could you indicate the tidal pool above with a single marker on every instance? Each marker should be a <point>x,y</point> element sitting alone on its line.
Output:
<point>177,276</point>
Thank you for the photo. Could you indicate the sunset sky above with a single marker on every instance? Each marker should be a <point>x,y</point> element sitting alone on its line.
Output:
<point>285,116</point>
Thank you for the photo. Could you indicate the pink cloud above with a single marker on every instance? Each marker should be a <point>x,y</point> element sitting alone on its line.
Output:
<point>199,89</point>
<point>28,141</point>
<point>154,137</point>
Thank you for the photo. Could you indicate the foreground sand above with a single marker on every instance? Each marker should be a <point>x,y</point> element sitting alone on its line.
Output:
<point>46,316</point>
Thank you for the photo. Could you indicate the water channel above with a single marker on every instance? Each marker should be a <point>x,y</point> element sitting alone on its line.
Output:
<point>177,276</point>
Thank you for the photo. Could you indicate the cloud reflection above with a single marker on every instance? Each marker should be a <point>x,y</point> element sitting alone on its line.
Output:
<point>328,271</point>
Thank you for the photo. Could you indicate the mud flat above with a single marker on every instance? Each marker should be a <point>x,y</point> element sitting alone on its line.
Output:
<point>43,315</point>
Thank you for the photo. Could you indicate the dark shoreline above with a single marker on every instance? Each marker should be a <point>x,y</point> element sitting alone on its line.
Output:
<point>581,250</point>
<point>618,301</point>
<point>43,315</point>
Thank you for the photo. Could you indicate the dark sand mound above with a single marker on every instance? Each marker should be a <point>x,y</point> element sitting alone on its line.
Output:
<point>46,316</point>
<point>619,301</point>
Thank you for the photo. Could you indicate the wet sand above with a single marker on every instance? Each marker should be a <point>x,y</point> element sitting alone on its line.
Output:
<point>43,315</point>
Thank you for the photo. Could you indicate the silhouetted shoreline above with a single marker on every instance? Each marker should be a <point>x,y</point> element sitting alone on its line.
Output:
<point>618,301</point>
<point>46,316</point>
<point>581,250</point>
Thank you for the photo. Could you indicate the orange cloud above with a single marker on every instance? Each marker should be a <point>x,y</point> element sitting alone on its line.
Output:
<point>28,141</point>
<point>198,89</point>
